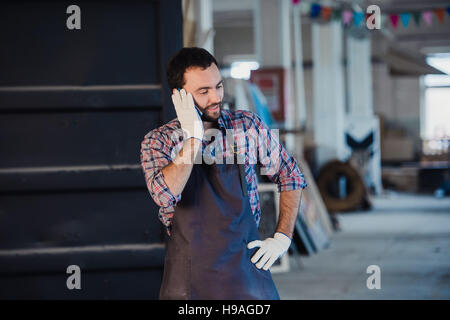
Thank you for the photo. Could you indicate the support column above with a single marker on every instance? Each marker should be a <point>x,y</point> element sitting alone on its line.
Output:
<point>300,110</point>
<point>361,121</point>
<point>272,36</point>
<point>272,21</point>
<point>359,75</point>
<point>329,94</point>
<point>204,28</point>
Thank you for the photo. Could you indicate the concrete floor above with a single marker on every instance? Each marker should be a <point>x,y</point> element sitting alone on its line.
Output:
<point>406,235</point>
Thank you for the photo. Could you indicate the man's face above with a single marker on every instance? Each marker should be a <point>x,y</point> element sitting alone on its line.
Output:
<point>206,87</point>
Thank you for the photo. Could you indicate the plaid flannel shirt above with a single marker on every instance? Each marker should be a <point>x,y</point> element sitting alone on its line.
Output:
<point>253,142</point>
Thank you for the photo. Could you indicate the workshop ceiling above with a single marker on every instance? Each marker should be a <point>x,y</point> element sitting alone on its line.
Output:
<point>422,39</point>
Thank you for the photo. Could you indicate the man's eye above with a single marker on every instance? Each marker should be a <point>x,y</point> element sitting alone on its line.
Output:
<point>220,85</point>
<point>204,92</point>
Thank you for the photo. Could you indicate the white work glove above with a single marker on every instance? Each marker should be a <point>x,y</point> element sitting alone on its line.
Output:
<point>270,250</point>
<point>187,115</point>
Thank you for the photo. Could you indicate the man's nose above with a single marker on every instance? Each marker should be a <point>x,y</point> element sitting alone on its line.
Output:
<point>214,96</point>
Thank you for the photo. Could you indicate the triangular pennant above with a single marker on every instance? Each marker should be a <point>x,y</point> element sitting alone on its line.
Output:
<point>416,16</point>
<point>295,2</point>
<point>326,13</point>
<point>358,16</point>
<point>427,16</point>
<point>394,20</point>
<point>405,18</point>
<point>315,10</point>
<point>440,14</point>
<point>337,14</point>
<point>347,16</point>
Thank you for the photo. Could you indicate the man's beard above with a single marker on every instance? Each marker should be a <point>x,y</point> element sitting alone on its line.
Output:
<point>208,118</point>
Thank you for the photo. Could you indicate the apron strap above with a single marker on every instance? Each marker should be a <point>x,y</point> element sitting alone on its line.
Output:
<point>243,180</point>
<point>241,171</point>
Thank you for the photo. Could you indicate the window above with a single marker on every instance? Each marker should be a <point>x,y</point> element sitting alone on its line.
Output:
<point>436,125</point>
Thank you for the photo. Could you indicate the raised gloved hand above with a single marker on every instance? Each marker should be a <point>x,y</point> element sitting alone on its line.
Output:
<point>270,250</point>
<point>187,115</point>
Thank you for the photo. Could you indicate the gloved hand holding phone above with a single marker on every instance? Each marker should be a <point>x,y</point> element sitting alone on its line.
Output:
<point>188,114</point>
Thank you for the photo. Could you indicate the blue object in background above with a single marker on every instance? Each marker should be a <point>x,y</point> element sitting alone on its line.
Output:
<point>315,10</point>
<point>261,108</point>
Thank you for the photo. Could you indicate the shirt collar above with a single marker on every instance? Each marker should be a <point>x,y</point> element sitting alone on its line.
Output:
<point>223,120</point>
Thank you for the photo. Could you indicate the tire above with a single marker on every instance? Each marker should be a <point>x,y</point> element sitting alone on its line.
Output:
<point>327,182</point>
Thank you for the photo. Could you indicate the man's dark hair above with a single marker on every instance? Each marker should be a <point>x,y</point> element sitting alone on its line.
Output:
<point>184,59</point>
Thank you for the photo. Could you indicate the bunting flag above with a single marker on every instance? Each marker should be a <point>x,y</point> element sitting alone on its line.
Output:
<point>394,20</point>
<point>315,10</point>
<point>440,14</point>
<point>404,17</point>
<point>416,16</point>
<point>427,16</point>
<point>337,14</point>
<point>358,17</point>
<point>347,16</point>
<point>326,13</point>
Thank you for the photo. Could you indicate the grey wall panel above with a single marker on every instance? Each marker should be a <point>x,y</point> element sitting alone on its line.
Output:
<point>73,138</point>
<point>78,219</point>
<point>70,98</point>
<point>99,285</point>
<point>66,179</point>
<point>117,44</point>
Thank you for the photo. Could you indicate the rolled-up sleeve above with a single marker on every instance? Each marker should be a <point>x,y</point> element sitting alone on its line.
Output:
<point>290,177</point>
<point>155,155</point>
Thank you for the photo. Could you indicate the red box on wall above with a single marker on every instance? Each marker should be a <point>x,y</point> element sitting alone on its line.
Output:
<point>272,83</point>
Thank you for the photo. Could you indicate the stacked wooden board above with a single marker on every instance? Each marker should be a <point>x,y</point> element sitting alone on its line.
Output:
<point>313,228</point>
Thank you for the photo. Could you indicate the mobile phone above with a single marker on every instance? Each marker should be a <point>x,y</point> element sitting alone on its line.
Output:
<point>198,111</point>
